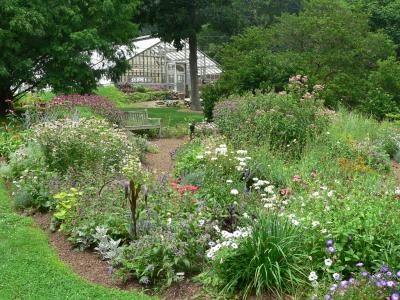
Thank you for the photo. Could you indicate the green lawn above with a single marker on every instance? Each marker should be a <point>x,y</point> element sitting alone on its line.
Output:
<point>170,116</point>
<point>30,269</point>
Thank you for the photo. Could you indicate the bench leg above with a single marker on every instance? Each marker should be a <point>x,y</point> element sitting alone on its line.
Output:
<point>159,133</point>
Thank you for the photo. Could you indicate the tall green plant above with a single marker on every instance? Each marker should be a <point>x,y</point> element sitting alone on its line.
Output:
<point>270,259</point>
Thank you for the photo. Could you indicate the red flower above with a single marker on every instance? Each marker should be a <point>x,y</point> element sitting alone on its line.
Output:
<point>191,188</point>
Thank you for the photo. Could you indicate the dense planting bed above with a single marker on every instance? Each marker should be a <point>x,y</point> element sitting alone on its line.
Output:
<point>287,198</point>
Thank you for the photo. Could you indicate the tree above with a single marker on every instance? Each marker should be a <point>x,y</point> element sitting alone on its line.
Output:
<point>178,20</point>
<point>327,40</point>
<point>50,42</point>
<point>383,15</point>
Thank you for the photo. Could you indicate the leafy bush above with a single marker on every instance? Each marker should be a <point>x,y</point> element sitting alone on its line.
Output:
<point>270,259</point>
<point>10,141</point>
<point>211,94</point>
<point>22,199</point>
<point>99,105</point>
<point>83,144</point>
<point>285,121</point>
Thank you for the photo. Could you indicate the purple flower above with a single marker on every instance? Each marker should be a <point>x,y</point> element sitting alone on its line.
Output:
<point>329,243</point>
<point>328,296</point>
<point>331,249</point>
<point>351,280</point>
<point>378,284</point>
<point>383,283</point>
<point>390,274</point>
<point>336,276</point>
<point>364,273</point>
<point>390,283</point>
<point>384,268</point>
<point>349,238</point>
<point>333,287</point>
<point>395,296</point>
<point>343,283</point>
<point>359,265</point>
<point>398,274</point>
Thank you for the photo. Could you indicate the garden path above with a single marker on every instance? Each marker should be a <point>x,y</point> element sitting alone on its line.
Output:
<point>161,162</point>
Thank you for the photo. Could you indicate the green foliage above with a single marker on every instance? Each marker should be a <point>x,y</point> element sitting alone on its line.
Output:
<point>65,203</point>
<point>10,141</point>
<point>75,144</point>
<point>58,39</point>
<point>113,94</point>
<point>29,258</point>
<point>327,40</point>
<point>22,200</point>
<point>271,259</point>
<point>211,94</point>
<point>284,121</point>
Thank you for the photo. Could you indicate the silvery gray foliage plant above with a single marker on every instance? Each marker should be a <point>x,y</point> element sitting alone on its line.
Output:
<point>107,247</point>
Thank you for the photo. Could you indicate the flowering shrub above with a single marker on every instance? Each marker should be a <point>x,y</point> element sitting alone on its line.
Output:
<point>83,144</point>
<point>285,121</point>
<point>98,104</point>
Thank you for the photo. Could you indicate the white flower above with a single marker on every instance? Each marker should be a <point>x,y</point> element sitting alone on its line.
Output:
<point>211,244</point>
<point>214,158</point>
<point>336,276</point>
<point>269,189</point>
<point>313,276</point>
<point>330,194</point>
<point>315,224</point>
<point>315,194</point>
<point>328,262</point>
<point>246,216</point>
<point>169,221</point>
<point>201,223</point>
<point>199,156</point>
<point>229,181</point>
<point>269,205</point>
<point>255,179</point>
<point>295,222</point>
<point>397,191</point>
<point>234,192</point>
<point>234,245</point>
<point>241,152</point>
<point>216,228</point>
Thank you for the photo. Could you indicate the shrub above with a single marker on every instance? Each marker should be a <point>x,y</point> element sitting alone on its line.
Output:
<point>271,258</point>
<point>83,144</point>
<point>22,199</point>
<point>285,121</point>
<point>98,104</point>
<point>211,94</point>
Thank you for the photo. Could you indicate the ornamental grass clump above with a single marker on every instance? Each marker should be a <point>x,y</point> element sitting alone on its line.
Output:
<point>270,259</point>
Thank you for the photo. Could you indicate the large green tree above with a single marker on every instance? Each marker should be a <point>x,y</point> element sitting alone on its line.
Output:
<point>50,42</point>
<point>179,20</point>
<point>327,40</point>
<point>383,15</point>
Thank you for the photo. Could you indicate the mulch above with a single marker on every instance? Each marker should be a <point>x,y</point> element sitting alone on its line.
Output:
<point>89,265</point>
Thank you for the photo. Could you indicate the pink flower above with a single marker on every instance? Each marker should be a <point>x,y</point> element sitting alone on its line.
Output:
<point>314,174</point>
<point>284,192</point>
<point>296,178</point>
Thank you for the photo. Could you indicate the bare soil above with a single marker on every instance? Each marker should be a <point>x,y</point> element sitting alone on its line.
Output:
<point>162,162</point>
<point>89,266</point>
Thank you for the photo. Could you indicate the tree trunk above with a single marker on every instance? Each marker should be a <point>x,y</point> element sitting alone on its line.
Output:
<point>5,94</point>
<point>194,81</point>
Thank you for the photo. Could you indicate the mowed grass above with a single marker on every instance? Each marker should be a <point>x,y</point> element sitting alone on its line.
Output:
<point>170,116</point>
<point>30,269</point>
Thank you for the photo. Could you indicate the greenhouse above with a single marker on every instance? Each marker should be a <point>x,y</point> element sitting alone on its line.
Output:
<point>159,64</point>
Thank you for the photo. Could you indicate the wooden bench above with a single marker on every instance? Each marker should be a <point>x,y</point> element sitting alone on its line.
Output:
<point>139,120</point>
